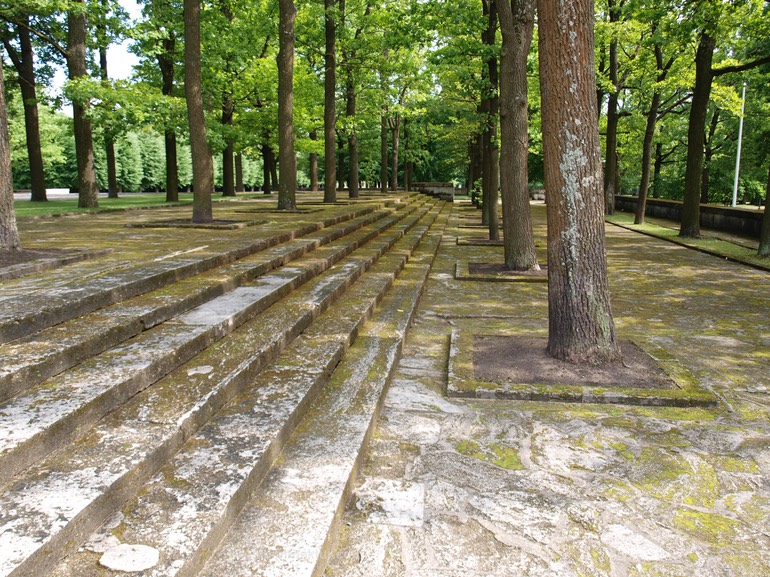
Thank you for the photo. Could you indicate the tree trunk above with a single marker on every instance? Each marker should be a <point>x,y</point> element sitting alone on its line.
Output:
<point>341,163</point>
<point>657,169</point>
<point>9,234</point>
<point>580,324</point>
<point>330,111</point>
<point>313,164</point>
<point>267,168</point>
<point>407,161</point>
<point>708,154</point>
<point>287,156</point>
<point>350,111</point>
<point>109,141</point>
<point>611,140</point>
<point>384,152</point>
<point>203,167</point>
<point>88,188</point>
<point>491,151</point>
<point>166,64</point>
<point>517,20</point>
<point>764,237</point>
<point>395,128</point>
<point>239,172</point>
<point>25,66</point>
<point>690,225</point>
<point>228,153</point>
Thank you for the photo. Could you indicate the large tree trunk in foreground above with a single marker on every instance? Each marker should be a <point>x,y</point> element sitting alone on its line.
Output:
<point>9,234</point>
<point>203,167</point>
<point>580,324</point>
<point>88,188</point>
<point>764,237</point>
<point>25,66</point>
<point>690,225</point>
<point>330,111</point>
<point>517,20</point>
<point>287,157</point>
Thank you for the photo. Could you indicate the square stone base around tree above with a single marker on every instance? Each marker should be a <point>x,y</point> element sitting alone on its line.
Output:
<point>496,365</point>
<point>496,272</point>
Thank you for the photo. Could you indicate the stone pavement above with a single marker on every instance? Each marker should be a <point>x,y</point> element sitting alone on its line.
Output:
<point>456,487</point>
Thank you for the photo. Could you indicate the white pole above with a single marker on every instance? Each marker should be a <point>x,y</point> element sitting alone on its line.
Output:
<point>740,142</point>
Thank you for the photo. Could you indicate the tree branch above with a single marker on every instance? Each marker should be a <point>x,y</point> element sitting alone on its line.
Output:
<point>741,67</point>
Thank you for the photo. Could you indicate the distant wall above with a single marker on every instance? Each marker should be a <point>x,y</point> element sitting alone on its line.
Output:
<point>743,221</point>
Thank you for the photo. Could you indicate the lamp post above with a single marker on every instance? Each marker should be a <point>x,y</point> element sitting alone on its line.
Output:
<point>740,142</point>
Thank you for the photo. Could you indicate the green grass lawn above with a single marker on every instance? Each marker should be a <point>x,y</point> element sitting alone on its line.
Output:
<point>70,205</point>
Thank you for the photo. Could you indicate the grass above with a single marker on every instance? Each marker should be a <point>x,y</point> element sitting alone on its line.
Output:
<point>711,245</point>
<point>70,205</point>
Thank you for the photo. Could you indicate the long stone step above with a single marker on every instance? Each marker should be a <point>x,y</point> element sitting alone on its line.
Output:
<point>59,502</point>
<point>184,510</point>
<point>32,304</point>
<point>39,356</point>
<point>290,523</point>
<point>51,413</point>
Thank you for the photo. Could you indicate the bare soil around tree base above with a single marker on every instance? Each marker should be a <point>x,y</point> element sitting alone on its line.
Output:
<point>523,360</point>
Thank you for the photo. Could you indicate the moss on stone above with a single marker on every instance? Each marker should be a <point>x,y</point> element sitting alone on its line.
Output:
<point>711,528</point>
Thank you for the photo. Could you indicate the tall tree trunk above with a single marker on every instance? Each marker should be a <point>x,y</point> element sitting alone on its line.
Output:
<point>517,21</point>
<point>407,161</point>
<point>287,156</point>
<point>690,225</point>
<point>330,110</point>
<point>88,187</point>
<point>228,153</point>
<point>395,128</point>
<point>203,167</point>
<point>350,111</point>
<point>384,152</point>
<point>166,64</point>
<point>9,234</point>
<point>657,169</point>
<point>764,236</point>
<point>341,162</point>
<point>474,166</point>
<point>314,164</point>
<point>25,66</point>
<point>491,151</point>
<point>109,141</point>
<point>580,324</point>
<point>239,172</point>
<point>611,140</point>
<point>267,168</point>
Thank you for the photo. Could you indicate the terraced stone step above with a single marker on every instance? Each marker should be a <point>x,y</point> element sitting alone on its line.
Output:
<point>55,411</point>
<point>34,303</point>
<point>32,359</point>
<point>59,502</point>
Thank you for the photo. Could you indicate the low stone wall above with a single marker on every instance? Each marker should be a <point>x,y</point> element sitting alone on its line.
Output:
<point>442,190</point>
<point>743,221</point>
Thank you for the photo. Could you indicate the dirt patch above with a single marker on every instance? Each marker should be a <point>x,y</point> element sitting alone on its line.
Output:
<point>491,268</point>
<point>523,360</point>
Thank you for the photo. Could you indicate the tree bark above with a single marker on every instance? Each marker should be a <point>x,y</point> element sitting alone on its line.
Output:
<point>395,128</point>
<point>313,164</point>
<point>88,188</point>
<point>690,225</point>
<point>109,141</point>
<point>708,154</point>
<point>24,63</point>
<point>384,152</point>
<point>239,172</point>
<point>611,139</point>
<point>287,156</point>
<point>350,111</point>
<point>267,168</point>
<point>228,152</point>
<point>341,163</point>
<point>9,234</point>
<point>330,110</point>
<point>764,236</point>
<point>517,21</point>
<point>203,167</point>
<point>580,324</point>
<point>491,152</point>
<point>166,64</point>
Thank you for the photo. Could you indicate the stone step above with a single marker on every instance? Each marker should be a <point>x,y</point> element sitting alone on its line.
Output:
<point>49,414</point>
<point>31,304</point>
<point>290,523</point>
<point>32,359</point>
<point>56,504</point>
<point>185,509</point>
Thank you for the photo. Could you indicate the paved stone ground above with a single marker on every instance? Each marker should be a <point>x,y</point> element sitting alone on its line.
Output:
<point>457,488</point>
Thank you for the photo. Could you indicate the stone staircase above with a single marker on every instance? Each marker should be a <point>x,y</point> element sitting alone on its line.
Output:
<point>202,415</point>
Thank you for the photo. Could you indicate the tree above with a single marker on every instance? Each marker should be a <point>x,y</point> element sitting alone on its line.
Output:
<point>330,95</point>
<point>580,324</point>
<point>517,20</point>
<point>203,169</point>
<point>24,62</point>
<point>287,157</point>
<point>9,234</point>
<point>88,193</point>
<point>490,105</point>
<point>764,238</point>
